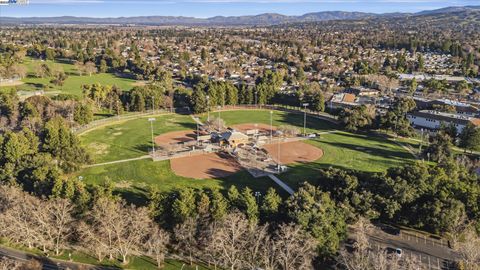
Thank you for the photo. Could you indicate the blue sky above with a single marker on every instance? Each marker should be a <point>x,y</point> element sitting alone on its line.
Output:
<point>209,8</point>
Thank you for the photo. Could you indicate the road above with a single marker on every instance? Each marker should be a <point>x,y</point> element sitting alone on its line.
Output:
<point>433,253</point>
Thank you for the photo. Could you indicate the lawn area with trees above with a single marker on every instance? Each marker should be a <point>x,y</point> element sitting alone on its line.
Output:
<point>37,79</point>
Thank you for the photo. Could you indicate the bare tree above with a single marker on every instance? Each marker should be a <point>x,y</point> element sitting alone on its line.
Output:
<point>16,220</point>
<point>90,68</point>
<point>295,248</point>
<point>186,237</point>
<point>469,249</point>
<point>156,245</point>
<point>258,248</point>
<point>54,219</point>
<point>8,264</point>
<point>131,231</point>
<point>115,229</point>
<point>229,240</point>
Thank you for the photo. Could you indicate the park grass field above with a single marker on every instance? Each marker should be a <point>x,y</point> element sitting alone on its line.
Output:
<point>131,138</point>
<point>72,84</point>
<point>133,179</point>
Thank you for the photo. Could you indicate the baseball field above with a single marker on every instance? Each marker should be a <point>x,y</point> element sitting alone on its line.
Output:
<point>132,139</point>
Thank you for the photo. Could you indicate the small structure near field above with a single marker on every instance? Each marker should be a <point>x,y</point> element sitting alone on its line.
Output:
<point>233,138</point>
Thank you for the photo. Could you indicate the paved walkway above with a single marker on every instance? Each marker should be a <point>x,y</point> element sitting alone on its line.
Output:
<point>117,161</point>
<point>281,184</point>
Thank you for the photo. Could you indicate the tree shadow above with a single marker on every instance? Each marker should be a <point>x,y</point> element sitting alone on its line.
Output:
<point>297,120</point>
<point>135,195</point>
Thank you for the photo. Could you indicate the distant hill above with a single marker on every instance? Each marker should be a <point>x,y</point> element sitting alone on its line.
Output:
<point>261,19</point>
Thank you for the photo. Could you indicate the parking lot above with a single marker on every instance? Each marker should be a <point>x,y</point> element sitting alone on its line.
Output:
<point>432,253</point>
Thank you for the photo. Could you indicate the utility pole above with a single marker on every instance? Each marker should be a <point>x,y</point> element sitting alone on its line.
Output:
<point>305,118</point>
<point>151,128</point>
<point>279,163</point>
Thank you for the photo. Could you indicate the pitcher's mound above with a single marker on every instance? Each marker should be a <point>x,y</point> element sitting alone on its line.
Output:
<point>291,152</point>
<point>214,165</point>
<point>175,137</point>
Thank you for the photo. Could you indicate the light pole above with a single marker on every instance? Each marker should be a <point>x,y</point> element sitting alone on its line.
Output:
<point>271,126</point>
<point>305,118</point>
<point>278,144</point>
<point>151,128</point>
<point>198,133</point>
<point>255,98</point>
<point>257,195</point>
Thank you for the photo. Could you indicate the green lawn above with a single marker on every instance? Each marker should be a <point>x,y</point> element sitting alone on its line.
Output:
<point>133,179</point>
<point>73,83</point>
<point>349,151</point>
<point>278,118</point>
<point>131,138</point>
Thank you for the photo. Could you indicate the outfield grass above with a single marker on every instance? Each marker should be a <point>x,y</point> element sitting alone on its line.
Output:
<point>72,84</point>
<point>278,118</point>
<point>134,179</point>
<point>131,138</point>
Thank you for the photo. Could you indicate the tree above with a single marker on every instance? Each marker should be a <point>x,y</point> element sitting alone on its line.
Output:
<point>218,205</point>
<point>112,228</point>
<point>270,204</point>
<point>90,68</point>
<point>83,113</point>
<point>412,88</point>
<point>183,206</point>
<point>469,250</point>
<point>440,147</point>
<point>249,205</point>
<point>315,211</point>
<point>318,102</point>
<point>360,117</point>
<point>199,101</point>
<point>295,248</point>
<point>229,240</point>
<point>156,245</point>
<point>186,237</point>
<point>470,138</point>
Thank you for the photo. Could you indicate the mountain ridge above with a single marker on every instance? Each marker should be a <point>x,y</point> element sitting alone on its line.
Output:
<point>259,19</point>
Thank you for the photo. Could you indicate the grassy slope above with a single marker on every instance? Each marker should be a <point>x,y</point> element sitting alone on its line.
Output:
<point>72,84</point>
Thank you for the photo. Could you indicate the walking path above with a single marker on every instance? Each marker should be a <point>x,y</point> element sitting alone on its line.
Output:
<point>117,161</point>
<point>281,184</point>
